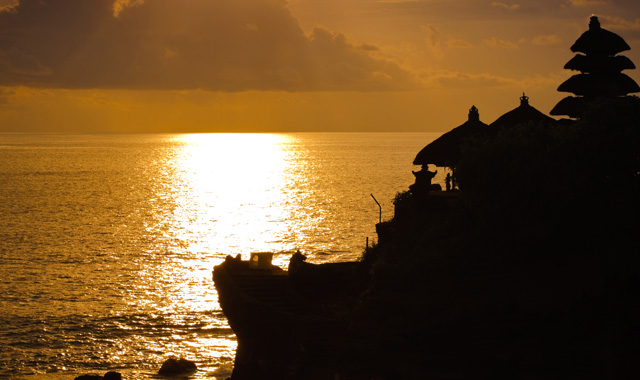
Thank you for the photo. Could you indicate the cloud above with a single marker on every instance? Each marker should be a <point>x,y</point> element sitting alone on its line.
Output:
<point>496,42</point>
<point>548,39</point>
<point>621,23</point>
<point>467,80</point>
<point>120,5</point>
<point>14,60</point>
<point>397,1</point>
<point>16,95</point>
<point>8,5</point>
<point>458,43</point>
<point>234,45</point>
<point>508,7</point>
<point>453,79</point>
<point>434,41</point>
<point>588,3</point>
<point>6,94</point>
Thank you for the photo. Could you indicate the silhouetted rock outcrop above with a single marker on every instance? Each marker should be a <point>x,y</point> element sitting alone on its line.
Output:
<point>287,323</point>
<point>111,375</point>
<point>173,366</point>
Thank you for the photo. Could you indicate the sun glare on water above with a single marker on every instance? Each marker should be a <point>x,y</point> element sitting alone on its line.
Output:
<point>216,194</point>
<point>130,227</point>
<point>233,191</point>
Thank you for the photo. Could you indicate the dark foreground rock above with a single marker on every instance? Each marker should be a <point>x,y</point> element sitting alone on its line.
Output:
<point>290,323</point>
<point>111,375</point>
<point>175,366</point>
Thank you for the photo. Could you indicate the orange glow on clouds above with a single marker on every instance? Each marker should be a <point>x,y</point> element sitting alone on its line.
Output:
<point>265,65</point>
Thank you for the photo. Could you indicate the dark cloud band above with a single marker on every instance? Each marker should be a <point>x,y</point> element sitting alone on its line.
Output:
<point>166,44</point>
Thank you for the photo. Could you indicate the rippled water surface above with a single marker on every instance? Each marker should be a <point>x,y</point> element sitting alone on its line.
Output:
<point>107,242</point>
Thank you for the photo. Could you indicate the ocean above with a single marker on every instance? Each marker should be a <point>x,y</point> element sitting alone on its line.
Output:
<point>107,241</point>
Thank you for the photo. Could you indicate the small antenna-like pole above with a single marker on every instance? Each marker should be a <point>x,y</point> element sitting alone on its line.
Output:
<point>380,207</point>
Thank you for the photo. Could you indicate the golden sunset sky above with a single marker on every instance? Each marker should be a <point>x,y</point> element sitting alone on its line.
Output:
<point>286,66</point>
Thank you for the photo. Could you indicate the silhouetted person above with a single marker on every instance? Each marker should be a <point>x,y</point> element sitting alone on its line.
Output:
<point>296,261</point>
<point>423,180</point>
<point>447,182</point>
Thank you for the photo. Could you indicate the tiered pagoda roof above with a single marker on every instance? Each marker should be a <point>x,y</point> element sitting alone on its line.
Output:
<point>601,70</point>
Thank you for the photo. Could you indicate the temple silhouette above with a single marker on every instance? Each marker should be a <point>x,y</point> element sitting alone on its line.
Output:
<point>600,77</point>
<point>527,272</point>
<point>600,69</point>
<point>445,150</point>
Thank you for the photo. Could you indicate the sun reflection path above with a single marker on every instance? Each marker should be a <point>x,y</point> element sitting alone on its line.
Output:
<point>221,194</point>
<point>213,195</point>
<point>175,205</point>
<point>233,194</point>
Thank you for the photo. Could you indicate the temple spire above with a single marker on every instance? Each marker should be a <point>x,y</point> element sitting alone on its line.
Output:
<point>524,100</point>
<point>600,66</point>
<point>474,115</point>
